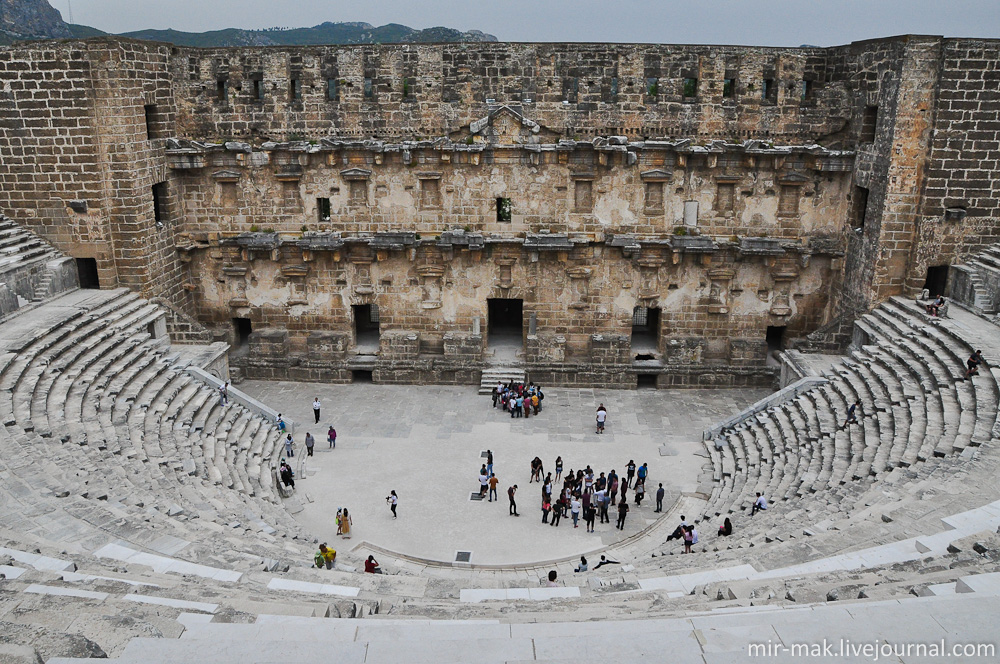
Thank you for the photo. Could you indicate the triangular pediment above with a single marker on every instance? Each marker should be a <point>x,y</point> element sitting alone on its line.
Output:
<point>355,174</point>
<point>504,126</point>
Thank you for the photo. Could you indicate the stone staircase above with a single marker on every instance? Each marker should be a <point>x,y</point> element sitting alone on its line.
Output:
<point>492,375</point>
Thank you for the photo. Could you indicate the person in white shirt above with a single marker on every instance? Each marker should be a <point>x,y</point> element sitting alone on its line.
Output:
<point>758,505</point>
<point>574,509</point>
<point>484,484</point>
<point>602,416</point>
<point>316,409</point>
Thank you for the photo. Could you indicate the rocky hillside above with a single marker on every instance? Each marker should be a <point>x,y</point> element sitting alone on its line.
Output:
<point>28,19</point>
<point>326,33</point>
<point>37,19</point>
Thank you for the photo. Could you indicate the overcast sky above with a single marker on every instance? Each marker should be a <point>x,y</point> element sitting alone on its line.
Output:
<point>759,22</point>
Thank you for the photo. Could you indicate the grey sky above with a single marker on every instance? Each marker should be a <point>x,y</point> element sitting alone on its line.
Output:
<point>759,22</point>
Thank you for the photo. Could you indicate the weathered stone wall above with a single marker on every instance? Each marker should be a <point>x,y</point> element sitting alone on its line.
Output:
<point>78,166</point>
<point>404,91</point>
<point>677,177</point>
<point>960,210</point>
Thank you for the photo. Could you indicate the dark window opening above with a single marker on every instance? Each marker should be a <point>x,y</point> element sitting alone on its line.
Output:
<point>504,208</point>
<point>859,208</point>
<point>652,86</point>
<point>294,89</point>
<point>331,89</point>
<point>645,329</point>
<point>690,87</point>
<point>258,89</point>
<point>645,381</point>
<point>614,89</point>
<point>571,88</point>
<point>366,326</point>
<point>323,209</point>
<point>769,92</point>
<point>159,201</point>
<point>241,331</point>
<point>222,90</point>
<point>729,87</point>
<point>869,123</point>
<point>369,88</point>
<point>86,268</point>
<point>361,376</point>
<point>408,85</point>
<point>152,121</point>
<point>806,91</point>
<point>774,338</point>
<point>937,280</point>
<point>151,329</point>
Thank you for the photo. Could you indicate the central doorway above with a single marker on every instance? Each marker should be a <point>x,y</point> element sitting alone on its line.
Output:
<point>505,327</point>
<point>366,333</point>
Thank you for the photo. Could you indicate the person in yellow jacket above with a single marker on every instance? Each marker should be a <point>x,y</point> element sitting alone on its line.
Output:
<point>325,556</point>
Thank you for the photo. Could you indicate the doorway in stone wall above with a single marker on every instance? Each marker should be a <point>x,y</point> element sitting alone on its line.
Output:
<point>505,329</point>
<point>937,280</point>
<point>87,269</point>
<point>366,328</point>
<point>645,332</point>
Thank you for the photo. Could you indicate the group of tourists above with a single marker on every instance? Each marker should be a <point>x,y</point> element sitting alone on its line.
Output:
<point>518,399</point>
<point>583,495</point>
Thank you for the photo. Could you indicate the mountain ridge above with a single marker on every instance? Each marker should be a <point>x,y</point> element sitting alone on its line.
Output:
<point>36,19</point>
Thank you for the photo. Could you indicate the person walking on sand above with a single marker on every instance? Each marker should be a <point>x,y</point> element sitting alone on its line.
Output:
<point>393,501</point>
<point>513,505</point>
<point>310,443</point>
<point>659,498</point>
<point>345,524</point>
<point>602,416</point>
<point>316,406</point>
<point>331,436</point>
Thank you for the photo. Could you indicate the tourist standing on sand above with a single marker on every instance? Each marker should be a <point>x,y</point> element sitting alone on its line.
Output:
<point>289,451</point>
<point>602,416</point>
<point>316,406</point>
<point>559,467</point>
<point>392,500</point>
<point>340,521</point>
<point>659,498</point>
<point>331,436</point>
<point>489,462</point>
<point>345,524</point>
<point>629,472</point>
<point>310,443</point>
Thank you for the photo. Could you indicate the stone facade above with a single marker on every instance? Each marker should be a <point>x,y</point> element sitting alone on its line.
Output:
<point>354,210</point>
